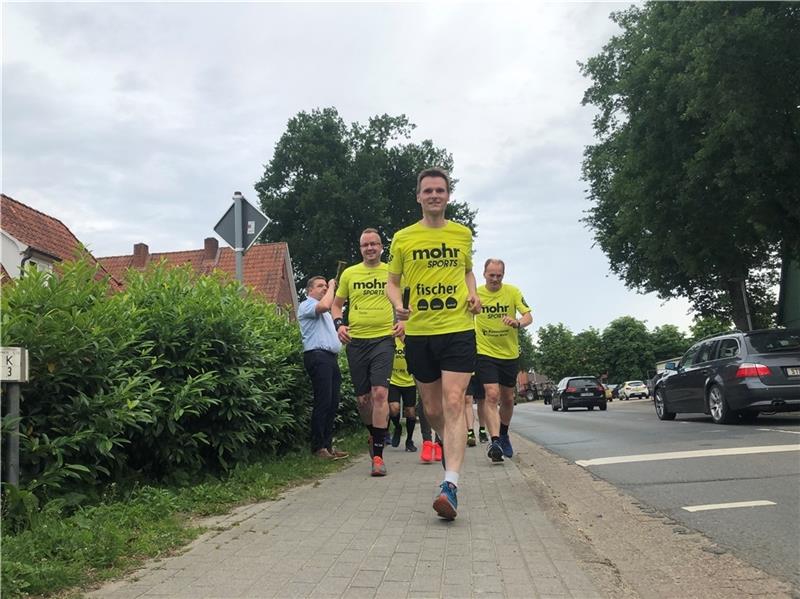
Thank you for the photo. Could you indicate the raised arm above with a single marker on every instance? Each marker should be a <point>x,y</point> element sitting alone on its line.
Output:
<point>327,300</point>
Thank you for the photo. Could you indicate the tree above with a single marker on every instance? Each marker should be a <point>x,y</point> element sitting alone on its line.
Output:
<point>708,325</point>
<point>668,341</point>
<point>555,352</point>
<point>589,353</point>
<point>327,182</point>
<point>694,179</point>
<point>527,352</point>
<point>628,349</point>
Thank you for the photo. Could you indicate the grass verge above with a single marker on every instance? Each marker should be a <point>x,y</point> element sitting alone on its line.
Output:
<point>105,541</point>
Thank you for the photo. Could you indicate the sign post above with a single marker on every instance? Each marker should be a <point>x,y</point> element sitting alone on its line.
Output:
<point>14,371</point>
<point>240,226</point>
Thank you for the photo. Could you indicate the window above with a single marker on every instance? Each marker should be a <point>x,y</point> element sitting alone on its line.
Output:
<point>689,357</point>
<point>728,348</point>
<point>706,352</point>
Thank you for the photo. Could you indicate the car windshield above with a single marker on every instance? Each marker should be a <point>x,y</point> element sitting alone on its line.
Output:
<point>775,341</point>
<point>636,383</point>
<point>582,383</point>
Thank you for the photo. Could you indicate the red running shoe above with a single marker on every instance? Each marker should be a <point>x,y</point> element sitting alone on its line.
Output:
<point>437,452</point>
<point>378,467</point>
<point>426,455</point>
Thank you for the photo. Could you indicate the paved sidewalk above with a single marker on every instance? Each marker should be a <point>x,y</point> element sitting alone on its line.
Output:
<point>354,536</point>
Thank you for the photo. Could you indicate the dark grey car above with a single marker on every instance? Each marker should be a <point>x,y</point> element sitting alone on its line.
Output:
<point>734,376</point>
<point>579,392</point>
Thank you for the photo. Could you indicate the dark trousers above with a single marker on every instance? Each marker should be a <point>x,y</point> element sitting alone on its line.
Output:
<point>326,380</point>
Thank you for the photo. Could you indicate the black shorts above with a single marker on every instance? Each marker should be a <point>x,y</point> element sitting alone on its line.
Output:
<point>370,362</point>
<point>494,370</point>
<point>407,394</point>
<point>475,388</point>
<point>428,355</point>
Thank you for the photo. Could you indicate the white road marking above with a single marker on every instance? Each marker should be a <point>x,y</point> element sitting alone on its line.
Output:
<point>681,455</point>
<point>726,506</point>
<point>778,430</point>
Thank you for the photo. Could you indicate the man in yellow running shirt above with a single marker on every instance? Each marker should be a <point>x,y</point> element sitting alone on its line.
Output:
<point>369,337</point>
<point>497,335</point>
<point>434,257</point>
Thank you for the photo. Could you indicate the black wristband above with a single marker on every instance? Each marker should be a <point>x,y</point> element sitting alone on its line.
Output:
<point>337,322</point>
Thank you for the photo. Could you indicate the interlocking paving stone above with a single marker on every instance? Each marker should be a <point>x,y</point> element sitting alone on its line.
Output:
<point>354,536</point>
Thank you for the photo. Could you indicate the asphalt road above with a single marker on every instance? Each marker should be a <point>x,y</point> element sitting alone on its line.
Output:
<point>732,464</point>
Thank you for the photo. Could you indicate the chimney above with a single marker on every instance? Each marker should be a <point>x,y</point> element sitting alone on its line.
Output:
<point>210,247</point>
<point>141,253</point>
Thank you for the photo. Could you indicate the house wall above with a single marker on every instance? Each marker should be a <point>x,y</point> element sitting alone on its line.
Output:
<point>11,254</point>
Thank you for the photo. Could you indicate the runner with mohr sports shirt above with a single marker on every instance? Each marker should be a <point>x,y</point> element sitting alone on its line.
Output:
<point>369,338</point>
<point>497,335</point>
<point>434,257</point>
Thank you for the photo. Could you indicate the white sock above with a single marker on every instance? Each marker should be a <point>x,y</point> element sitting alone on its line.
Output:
<point>451,476</point>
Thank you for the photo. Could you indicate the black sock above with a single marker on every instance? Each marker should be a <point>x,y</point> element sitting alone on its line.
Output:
<point>395,420</point>
<point>503,429</point>
<point>482,430</point>
<point>495,439</point>
<point>411,423</point>
<point>379,434</point>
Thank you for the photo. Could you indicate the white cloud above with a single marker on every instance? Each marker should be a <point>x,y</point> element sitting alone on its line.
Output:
<point>135,122</point>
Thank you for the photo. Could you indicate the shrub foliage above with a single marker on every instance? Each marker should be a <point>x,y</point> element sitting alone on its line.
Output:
<point>175,376</point>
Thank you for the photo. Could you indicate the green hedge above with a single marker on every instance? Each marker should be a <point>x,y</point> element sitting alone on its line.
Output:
<point>175,376</point>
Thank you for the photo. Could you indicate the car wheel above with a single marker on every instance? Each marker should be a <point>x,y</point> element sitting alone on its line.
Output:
<point>564,406</point>
<point>529,395</point>
<point>553,405</point>
<point>603,407</point>
<point>591,408</point>
<point>661,407</point>
<point>720,412</point>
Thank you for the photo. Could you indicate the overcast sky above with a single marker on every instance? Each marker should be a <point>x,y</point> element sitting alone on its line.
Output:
<point>136,122</point>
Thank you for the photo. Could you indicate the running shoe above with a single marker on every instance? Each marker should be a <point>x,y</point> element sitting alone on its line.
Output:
<point>471,438</point>
<point>437,452</point>
<point>495,452</point>
<point>410,447</point>
<point>446,502</point>
<point>378,467</point>
<point>427,452</point>
<point>482,436</point>
<point>398,430</point>
<point>505,445</point>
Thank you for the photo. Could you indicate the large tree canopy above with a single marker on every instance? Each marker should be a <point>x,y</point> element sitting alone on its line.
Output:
<point>328,181</point>
<point>695,179</point>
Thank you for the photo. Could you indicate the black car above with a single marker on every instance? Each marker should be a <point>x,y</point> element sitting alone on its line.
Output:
<point>579,392</point>
<point>734,376</point>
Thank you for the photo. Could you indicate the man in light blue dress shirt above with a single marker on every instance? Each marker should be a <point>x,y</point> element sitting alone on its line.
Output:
<point>320,348</point>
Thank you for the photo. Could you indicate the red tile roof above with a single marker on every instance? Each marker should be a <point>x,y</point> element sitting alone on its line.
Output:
<point>264,267</point>
<point>41,232</point>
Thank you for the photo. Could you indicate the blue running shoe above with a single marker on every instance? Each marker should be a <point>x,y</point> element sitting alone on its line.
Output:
<point>505,445</point>
<point>495,452</point>
<point>446,502</point>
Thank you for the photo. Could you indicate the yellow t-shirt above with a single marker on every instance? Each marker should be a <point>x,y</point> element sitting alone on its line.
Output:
<point>495,339</point>
<point>433,262</point>
<point>400,375</point>
<point>369,311</point>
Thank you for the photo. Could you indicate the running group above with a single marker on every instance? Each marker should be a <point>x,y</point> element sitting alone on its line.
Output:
<point>418,323</point>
